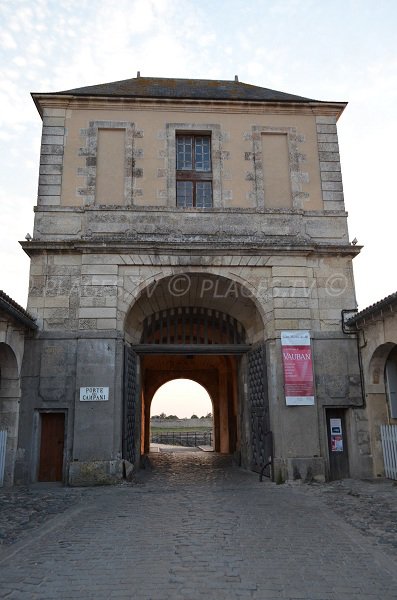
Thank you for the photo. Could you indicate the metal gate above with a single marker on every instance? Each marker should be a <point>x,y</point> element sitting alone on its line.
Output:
<point>131,391</point>
<point>389,445</point>
<point>261,437</point>
<point>3,447</point>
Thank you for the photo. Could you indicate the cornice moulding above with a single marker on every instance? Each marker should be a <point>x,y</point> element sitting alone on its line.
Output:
<point>70,102</point>
<point>185,247</point>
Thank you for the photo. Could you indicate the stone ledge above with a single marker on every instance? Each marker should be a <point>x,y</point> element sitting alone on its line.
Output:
<point>306,469</point>
<point>98,472</point>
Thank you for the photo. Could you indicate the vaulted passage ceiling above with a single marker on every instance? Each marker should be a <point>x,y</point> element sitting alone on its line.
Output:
<point>221,306</point>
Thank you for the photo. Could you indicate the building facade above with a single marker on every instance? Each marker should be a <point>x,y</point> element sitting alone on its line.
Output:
<point>181,227</point>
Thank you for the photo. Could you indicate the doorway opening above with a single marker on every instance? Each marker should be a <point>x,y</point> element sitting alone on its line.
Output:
<point>182,415</point>
<point>337,443</point>
<point>209,329</point>
<point>217,374</point>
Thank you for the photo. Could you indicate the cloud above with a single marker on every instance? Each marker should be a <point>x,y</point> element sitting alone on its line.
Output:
<point>344,51</point>
<point>7,41</point>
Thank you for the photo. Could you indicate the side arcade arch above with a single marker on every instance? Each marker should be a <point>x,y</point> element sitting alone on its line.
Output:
<point>10,393</point>
<point>381,397</point>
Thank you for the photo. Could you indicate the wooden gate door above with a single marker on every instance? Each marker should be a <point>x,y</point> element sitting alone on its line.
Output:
<point>52,446</point>
<point>131,425</point>
<point>337,444</point>
<point>259,407</point>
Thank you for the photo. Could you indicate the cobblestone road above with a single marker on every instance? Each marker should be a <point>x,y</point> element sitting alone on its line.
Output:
<point>195,527</point>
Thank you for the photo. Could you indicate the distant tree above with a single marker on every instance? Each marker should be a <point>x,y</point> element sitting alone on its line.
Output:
<point>194,417</point>
<point>208,416</point>
<point>163,416</point>
<point>172,418</point>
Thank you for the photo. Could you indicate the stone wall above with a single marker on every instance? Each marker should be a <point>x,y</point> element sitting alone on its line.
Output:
<point>96,291</point>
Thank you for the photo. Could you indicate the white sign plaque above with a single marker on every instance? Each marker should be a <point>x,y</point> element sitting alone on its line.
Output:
<point>94,394</point>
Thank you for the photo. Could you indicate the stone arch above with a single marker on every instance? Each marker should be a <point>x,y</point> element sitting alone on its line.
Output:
<point>378,362</point>
<point>10,394</point>
<point>201,289</point>
<point>377,401</point>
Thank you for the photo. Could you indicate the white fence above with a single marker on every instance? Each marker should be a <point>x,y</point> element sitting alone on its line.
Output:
<point>3,445</point>
<point>388,435</point>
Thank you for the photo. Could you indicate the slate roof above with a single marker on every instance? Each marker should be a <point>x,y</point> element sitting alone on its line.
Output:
<point>386,302</point>
<point>197,89</point>
<point>16,310</point>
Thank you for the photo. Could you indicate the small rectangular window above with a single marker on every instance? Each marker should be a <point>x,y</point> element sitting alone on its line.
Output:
<point>193,171</point>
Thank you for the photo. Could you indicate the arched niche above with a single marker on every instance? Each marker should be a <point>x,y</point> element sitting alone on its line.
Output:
<point>9,406</point>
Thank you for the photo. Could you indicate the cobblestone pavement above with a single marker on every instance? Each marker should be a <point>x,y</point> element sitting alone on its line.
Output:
<point>23,509</point>
<point>369,506</point>
<point>195,527</point>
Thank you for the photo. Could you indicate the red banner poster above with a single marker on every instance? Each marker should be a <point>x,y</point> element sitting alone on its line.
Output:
<point>298,368</point>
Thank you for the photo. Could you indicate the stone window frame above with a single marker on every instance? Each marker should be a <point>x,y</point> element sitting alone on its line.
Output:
<point>295,158</point>
<point>172,129</point>
<point>90,151</point>
<point>194,175</point>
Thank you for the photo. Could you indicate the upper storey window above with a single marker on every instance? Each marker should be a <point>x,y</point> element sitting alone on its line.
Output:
<point>193,171</point>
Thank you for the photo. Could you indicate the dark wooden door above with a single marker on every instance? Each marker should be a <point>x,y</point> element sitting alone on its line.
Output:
<point>52,446</point>
<point>337,444</point>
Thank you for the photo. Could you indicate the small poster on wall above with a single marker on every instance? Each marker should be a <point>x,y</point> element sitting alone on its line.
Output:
<point>298,368</point>
<point>336,443</point>
<point>336,435</point>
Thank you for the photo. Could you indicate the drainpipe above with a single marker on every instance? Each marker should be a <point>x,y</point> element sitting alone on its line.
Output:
<point>356,332</point>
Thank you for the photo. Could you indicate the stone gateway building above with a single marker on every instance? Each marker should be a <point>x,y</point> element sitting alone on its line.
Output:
<point>187,228</point>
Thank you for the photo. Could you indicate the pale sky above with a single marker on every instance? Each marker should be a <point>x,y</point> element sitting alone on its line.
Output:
<point>344,50</point>
<point>181,397</point>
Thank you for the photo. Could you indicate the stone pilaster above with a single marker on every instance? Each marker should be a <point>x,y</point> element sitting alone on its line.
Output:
<point>330,168</point>
<point>51,157</point>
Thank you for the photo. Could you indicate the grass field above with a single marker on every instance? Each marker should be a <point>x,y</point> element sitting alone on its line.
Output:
<point>155,429</point>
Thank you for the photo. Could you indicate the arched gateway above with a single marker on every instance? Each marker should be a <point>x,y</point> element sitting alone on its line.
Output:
<point>202,327</point>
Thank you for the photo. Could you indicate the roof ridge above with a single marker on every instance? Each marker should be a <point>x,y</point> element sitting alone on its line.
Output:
<point>6,298</point>
<point>185,88</point>
<point>372,308</point>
